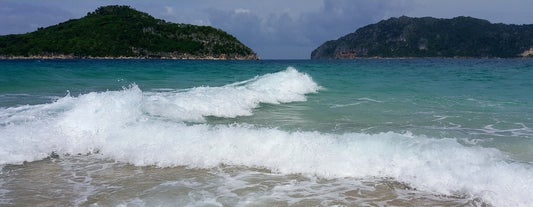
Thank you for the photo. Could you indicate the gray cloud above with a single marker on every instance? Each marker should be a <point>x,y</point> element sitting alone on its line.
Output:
<point>496,11</point>
<point>18,18</point>
<point>284,35</point>
<point>273,28</point>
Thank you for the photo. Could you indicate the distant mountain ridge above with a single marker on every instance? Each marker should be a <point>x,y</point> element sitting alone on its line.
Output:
<point>123,32</point>
<point>431,37</point>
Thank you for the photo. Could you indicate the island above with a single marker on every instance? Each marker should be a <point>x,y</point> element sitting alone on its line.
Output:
<point>431,37</point>
<point>121,32</point>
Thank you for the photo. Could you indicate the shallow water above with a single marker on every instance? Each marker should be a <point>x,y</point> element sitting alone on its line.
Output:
<point>90,181</point>
<point>415,132</point>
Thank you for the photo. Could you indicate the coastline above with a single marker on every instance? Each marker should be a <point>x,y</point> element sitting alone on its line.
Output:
<point>250,57</point>
<point>173,57</point>
<point>429,57</point>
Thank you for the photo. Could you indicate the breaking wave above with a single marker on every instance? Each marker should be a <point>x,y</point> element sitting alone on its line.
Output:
<point>167,129</point>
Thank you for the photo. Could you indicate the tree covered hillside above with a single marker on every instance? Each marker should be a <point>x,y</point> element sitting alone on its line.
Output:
<point>120,31</point>
<point>431,37</point>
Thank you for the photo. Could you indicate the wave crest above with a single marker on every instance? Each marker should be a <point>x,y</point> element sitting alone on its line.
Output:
<point>229,101</point>
<point>126,126</point>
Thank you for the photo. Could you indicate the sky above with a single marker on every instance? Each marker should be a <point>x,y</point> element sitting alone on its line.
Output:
<point>274,29</point>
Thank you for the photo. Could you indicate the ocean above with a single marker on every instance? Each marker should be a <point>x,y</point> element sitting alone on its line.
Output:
<point>369,132</point>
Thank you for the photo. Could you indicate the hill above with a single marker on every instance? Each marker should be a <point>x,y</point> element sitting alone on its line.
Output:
<point>123,32</point>
<point>431,37</point>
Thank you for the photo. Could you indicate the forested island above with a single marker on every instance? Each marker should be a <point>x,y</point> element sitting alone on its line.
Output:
<point>431,37</point>
<point>121,32</point>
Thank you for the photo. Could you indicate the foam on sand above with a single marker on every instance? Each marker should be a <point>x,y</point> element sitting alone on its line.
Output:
<point>151,129</point>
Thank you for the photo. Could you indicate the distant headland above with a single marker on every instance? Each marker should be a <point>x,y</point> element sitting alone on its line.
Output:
<point>431,37</point>
<point>120,32</point>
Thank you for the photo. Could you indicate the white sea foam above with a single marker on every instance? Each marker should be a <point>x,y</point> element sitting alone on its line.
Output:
<point>3,192</point>
<point>359,101</point>
<point>147,129</point>
<point>237,99</point>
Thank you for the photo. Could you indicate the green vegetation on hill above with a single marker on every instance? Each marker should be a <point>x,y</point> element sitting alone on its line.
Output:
<point>431,37</point>
<point>120,31</point>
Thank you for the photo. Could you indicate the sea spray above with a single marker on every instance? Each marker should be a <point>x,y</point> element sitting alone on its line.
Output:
<point>168,129</point>
<point>440,166</point>
<point>232,100</point>
<point>73,125</point>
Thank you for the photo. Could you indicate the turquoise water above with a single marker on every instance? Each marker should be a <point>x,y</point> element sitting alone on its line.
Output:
<point>432,131</point>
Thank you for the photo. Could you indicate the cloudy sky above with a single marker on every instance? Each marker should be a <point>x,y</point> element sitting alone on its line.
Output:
<point>275,29</point>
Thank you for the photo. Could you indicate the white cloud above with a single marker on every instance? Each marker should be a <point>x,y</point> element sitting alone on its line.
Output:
<point>242,11</point>
<point>169,10</point>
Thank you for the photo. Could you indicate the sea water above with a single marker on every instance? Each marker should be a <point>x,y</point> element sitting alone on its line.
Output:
<point>399,132</point>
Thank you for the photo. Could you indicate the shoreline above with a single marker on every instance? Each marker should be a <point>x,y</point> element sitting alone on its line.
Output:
<point>182,57</point>
<point>224,57</point>
<point>67,57</point>
<point>406,58</point>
